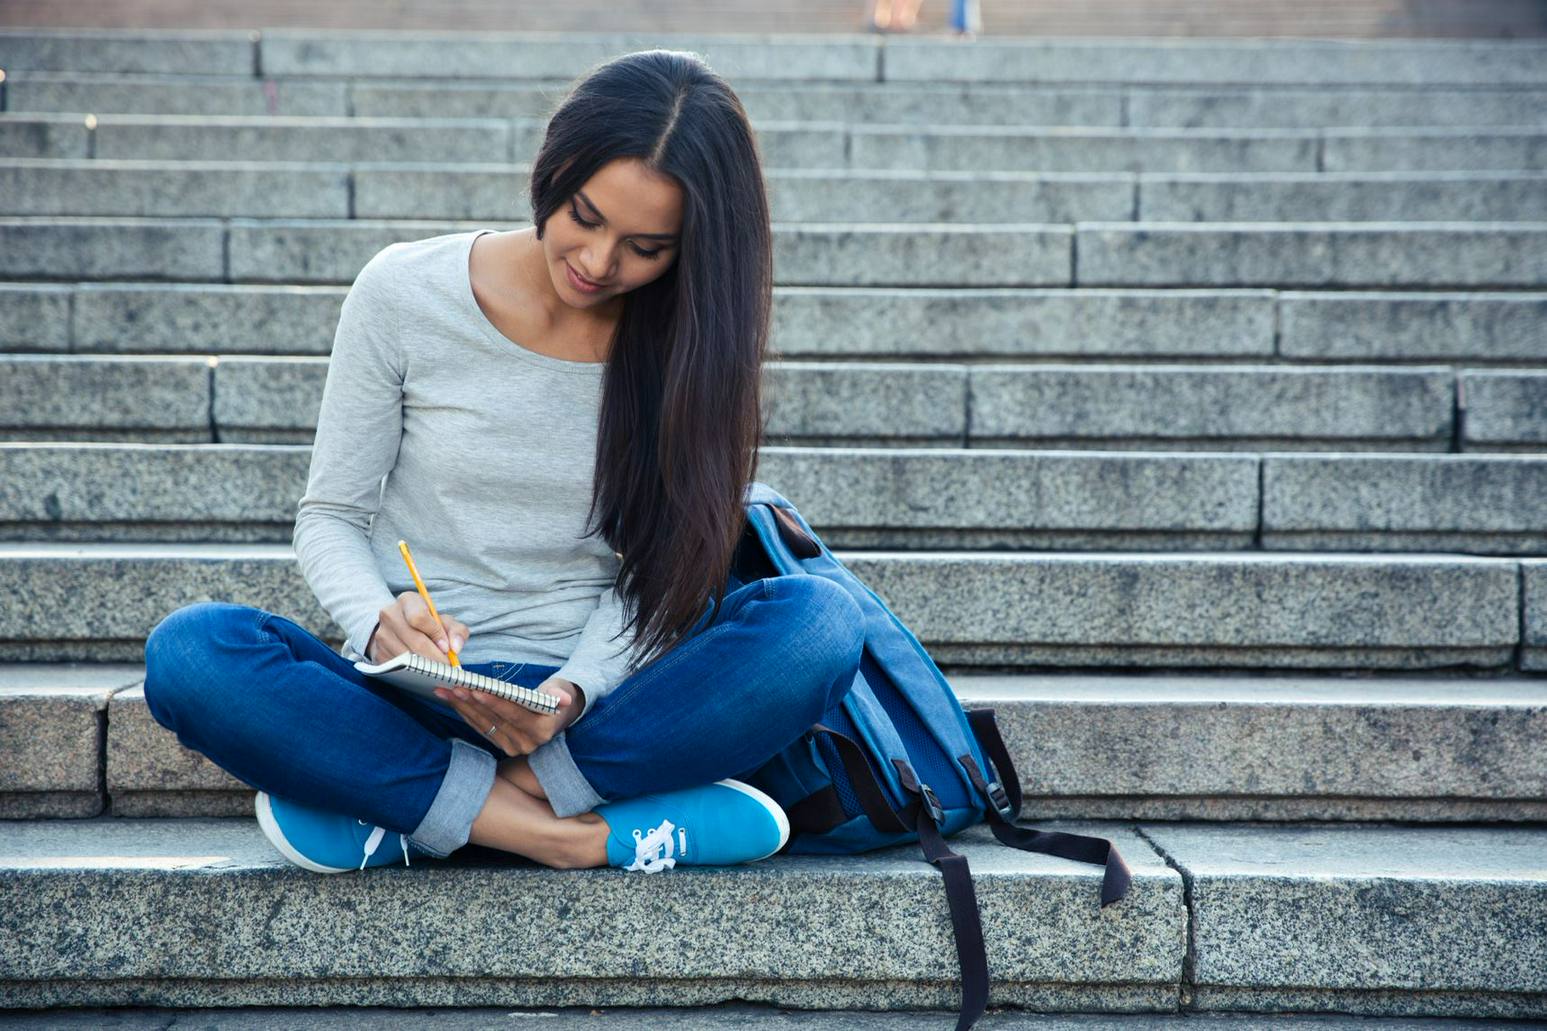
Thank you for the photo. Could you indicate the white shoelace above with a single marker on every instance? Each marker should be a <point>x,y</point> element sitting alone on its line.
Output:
<point>653,851</point>
<point>375,839</point>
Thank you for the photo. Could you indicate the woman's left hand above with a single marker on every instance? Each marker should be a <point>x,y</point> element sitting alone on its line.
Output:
<point>517,729</point>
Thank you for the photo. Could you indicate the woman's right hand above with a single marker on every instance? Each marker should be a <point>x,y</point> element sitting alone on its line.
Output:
<point>406,625</point>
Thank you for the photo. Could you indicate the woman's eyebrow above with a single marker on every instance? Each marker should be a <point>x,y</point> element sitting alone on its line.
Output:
<point>597,212</point>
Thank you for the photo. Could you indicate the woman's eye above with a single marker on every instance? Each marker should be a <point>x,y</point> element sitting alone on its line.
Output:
<point>574,216</point>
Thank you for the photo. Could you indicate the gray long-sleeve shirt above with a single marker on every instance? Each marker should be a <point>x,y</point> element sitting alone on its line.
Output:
<point>437,429</point>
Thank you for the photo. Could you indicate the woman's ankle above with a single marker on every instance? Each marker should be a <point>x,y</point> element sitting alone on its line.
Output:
<point>513,821</point>
<point>588,840</point>
<point>518,771</point>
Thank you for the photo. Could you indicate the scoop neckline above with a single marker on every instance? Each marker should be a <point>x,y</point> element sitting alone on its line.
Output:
<point>493,334</point>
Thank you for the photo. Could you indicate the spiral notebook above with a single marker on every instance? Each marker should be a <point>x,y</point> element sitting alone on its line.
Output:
<point>421,676</point>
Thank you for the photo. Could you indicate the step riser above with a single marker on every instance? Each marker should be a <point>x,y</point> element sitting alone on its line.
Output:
<point>1385,920</point>
<point>1028,500</point>
<point>90,188</point>
<point>1206,611</point>
<point>276,400</point>
<point>783,145</point>
<point>1110,254</point>
<point>911,104</point>
<point>817,322</point>
<point>302,52</point>
<point>1385,750</point>
<point>1097,959</point>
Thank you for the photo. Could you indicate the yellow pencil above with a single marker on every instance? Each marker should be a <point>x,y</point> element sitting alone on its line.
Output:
<point>402,546</point>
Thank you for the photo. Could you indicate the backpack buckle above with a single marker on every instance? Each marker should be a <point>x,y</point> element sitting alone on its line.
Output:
<point>1001,800</point>
<point>932,803</point>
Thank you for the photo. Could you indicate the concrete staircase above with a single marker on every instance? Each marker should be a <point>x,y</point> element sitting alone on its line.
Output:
<point>1189,400</point>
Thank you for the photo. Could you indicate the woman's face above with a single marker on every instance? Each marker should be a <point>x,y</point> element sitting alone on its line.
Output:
<point>619,230</point>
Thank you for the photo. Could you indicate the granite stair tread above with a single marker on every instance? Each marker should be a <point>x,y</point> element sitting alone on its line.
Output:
<point>1258,914</point>
<point>1112,746</point>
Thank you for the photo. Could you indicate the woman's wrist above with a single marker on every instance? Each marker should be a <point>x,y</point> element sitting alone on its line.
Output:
<point>570,712</point>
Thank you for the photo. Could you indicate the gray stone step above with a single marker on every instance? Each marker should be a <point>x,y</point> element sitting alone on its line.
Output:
<point>308,52</point>
<point>1088,324</point>
<point>917,103</point>
<point>1310,255</point>
<point>107,187</point>
<point>1344,197</point>
<point>1505,407</point>
<point>1156,150</point>
<point>1445,255</point>
<point>787,144</point>
<point>906,498</point>
<point>1209,610</point>
<point>1259,62</point>
<point>313,52</point>
<point>475,141</point>
<point>132,93</point>
<point>494,192</point>
<point>1393,920</point>
<point>82,743</point>
<point>188,52</point>
<point>275,399</point>
<point>880,920</point>
<point>718,1017</point>
<point>1345,919</point>
<point>1333,105</point>
<point>294,52</point>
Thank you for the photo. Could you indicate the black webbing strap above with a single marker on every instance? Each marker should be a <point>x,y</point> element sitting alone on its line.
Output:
<point>987,732</point>
<point>817,813</point>
<point>821,811</point>
<point>863,778</point>
<point>925,814</point>
<point>1078,847</point>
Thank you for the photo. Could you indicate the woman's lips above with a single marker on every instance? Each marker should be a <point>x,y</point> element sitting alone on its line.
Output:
<point>583,285</point>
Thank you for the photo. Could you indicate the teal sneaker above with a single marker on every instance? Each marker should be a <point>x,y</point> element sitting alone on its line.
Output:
<point>717,824</point>
<point>326,842</point>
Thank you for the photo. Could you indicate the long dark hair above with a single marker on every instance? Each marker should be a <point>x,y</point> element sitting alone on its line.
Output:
<point>680,418</point>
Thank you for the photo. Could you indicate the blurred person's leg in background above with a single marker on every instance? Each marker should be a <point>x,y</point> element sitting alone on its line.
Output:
<point>894,15</point>
<point>966,18</point>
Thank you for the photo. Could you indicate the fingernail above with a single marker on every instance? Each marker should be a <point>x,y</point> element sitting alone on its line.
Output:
<point>440,642</point>
<point>456,644</point>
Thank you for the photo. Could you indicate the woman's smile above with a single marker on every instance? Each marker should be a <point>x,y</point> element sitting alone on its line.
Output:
<point>579,283</point>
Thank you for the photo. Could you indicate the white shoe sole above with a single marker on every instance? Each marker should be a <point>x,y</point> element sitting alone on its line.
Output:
<point>278,840</point>
<point>768,803</point>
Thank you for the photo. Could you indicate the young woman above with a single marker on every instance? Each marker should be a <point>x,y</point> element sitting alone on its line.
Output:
<point>488,394</point>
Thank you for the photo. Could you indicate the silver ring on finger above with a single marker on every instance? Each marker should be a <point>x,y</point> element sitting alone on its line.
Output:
<point>490,731</point>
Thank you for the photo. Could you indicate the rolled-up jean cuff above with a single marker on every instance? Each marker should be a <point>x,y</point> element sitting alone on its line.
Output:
<point>569,793</point>
<point>463,791</point>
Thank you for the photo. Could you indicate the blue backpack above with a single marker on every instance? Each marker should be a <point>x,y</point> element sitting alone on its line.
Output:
<point>897,759</point>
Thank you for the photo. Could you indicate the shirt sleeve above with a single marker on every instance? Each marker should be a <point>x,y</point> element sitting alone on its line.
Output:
<point>599,663</point>
<point>359,428</point>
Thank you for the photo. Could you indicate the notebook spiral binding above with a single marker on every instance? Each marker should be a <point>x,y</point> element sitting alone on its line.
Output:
<point>527,696</point>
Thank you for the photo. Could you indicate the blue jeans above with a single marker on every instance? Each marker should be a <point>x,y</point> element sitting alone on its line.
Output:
<point>279,709</point>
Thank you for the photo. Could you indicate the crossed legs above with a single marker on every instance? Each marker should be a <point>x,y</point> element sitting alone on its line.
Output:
<point>516,817</point>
